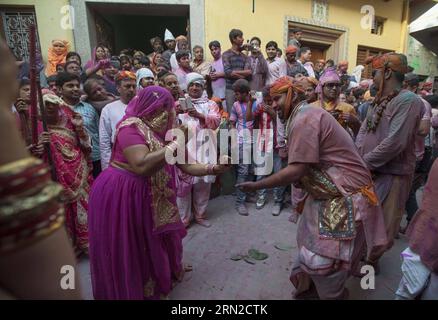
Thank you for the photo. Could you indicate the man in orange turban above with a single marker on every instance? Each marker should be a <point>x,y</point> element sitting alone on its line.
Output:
<point>386,141</point>
<point>323,159</point>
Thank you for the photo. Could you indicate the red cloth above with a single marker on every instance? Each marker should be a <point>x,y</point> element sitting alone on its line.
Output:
<point>73,170</point>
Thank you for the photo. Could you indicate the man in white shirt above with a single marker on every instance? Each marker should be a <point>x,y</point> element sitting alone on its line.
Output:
<point>305,54</point>
<point>113,112</point>
<point>277,67</point>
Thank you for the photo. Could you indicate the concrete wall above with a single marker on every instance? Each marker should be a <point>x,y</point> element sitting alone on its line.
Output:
<point>421,59</point>
<point>268,21</point>
<point>48,15</point>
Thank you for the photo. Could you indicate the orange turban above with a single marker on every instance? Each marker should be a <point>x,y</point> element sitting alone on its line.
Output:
<point>394,61</point>
<point>287,85</point>
<point>291,49</point>
<point>125,75</point>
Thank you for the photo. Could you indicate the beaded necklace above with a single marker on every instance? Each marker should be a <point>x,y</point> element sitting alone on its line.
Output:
<point>377,111</point>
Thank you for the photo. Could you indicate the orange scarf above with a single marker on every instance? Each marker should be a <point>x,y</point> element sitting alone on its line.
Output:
<point>54,59</point>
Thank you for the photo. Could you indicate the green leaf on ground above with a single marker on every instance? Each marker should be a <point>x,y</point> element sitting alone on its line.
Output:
<point>236,257</point>
<point>249,260</point>
<point>283,246</point>
<point>257,255</point>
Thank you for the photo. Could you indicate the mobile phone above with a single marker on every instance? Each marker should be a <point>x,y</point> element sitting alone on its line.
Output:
<point>189,103</point>
<point>183,103</point>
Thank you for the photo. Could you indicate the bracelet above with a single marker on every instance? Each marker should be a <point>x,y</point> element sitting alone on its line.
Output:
<point>29,203</point>
<point>172,147</point>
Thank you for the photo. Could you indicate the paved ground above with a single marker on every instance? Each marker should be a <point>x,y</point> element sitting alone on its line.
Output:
<point>216,276</point>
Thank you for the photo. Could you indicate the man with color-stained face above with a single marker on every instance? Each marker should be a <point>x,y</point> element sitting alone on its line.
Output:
<point>329,89</point>
<point>386,141</point>
<point>322,158</point>
<point>201,114</point>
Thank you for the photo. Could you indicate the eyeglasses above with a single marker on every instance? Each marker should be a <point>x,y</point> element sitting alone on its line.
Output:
<point>332,85</point>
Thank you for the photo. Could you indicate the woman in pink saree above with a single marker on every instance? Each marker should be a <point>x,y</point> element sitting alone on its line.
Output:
<point>135,229</point>
<point>70,148</point>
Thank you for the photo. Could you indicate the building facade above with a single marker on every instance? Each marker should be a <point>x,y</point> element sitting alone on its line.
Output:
<point>333,29</point>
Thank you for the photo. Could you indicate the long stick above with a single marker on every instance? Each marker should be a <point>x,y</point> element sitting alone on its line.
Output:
<point>44,121</point>
<point>33,86</point>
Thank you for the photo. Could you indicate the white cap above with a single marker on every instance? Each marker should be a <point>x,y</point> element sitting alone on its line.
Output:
<point>168,35</point>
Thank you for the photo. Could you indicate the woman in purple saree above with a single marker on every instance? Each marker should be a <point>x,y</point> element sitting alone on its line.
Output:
<point>135,231</point>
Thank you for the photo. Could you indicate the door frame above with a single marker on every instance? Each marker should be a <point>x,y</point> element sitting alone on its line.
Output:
<point>337,36</point>
<point>85,34</point>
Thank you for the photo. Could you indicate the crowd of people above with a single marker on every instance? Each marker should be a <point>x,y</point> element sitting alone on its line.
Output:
<point>351,153</point>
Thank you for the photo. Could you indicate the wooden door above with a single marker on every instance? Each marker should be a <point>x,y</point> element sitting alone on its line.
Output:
<point>362,54</point>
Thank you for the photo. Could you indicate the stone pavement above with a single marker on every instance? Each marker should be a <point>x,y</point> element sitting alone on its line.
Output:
<point>216,276</point>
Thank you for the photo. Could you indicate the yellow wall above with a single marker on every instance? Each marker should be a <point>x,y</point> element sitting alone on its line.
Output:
<point>268,21</point>
<point>48,15</point>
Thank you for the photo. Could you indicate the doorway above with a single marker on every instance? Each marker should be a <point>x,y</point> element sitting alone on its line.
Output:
<point>131,26</point>
<point>325,41</point>
<point>319,50</point>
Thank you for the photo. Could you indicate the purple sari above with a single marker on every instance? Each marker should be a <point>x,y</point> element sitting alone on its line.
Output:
<point>135,231</point>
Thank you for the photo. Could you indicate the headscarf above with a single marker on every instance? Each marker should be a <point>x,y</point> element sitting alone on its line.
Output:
<point>147,102</point>
<point>143,73</point>
<point>329,75</point>
<point>343,63</point>
<point>286,85</point>
<point>307,80</point>
<point>181,38</point>
<point>93,61</point>
<point>124,75</point>
<point>194,77</point>
<point>394,61</point>
<point>54,59</point>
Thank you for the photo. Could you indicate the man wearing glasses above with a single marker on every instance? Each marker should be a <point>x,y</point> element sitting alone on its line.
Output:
<point>329,90</point>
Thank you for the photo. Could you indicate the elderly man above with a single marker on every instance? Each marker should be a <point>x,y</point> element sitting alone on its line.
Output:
<point>329,89</point>
<point>323,159</point>
<point>194,192</point>
<point>386,140</point>
<point>199,64</point>
<point>293,66</point>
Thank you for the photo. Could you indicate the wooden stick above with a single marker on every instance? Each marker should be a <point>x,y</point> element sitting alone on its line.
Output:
<point>33,86</point>
<point>44,121</point>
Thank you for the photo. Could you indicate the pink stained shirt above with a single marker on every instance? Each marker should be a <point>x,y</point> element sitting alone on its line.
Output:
<point>316,138</point>
<point>218,86</point>
<point>419,140</point>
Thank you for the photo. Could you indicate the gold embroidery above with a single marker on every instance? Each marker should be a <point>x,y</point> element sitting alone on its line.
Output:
<point>149,288</point>
<point>336,214</point>
<point>165,212</point>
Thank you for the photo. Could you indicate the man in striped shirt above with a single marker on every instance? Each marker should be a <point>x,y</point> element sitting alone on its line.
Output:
<point>238,118</point>
<point>236,65</point>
